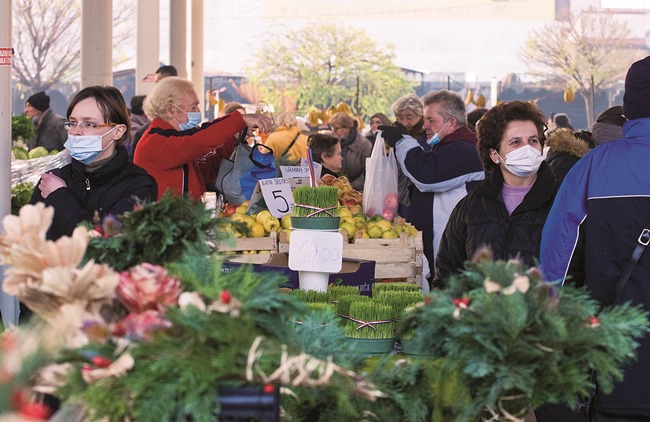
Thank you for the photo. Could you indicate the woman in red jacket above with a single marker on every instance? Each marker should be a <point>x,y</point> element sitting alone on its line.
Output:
<point>170,148</point>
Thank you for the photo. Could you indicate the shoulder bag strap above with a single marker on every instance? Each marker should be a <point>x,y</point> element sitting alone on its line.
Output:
<point>642,242</point>
<point>186,171</point>
<point>295,138</point>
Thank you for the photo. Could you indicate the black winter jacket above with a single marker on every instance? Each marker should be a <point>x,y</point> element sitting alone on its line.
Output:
<point>112,189</point>
<point>565,150</point>
<point>481,219</point>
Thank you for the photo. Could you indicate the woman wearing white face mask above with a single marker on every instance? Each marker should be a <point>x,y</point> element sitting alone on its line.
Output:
<point>172,145</point>
<point>100,178</point>
<point>506,212</point>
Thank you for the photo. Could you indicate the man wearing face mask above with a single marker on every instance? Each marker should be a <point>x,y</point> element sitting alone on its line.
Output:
<point>172,145</point>
<point>507,211</point>
<point>443,175</point>
<point>100,180</point>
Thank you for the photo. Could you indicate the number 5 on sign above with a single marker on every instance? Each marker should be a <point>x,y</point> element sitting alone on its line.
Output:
<point>277,195</point>
<point>311,250</point>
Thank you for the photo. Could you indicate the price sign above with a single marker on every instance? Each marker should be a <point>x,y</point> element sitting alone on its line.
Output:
<point>300,171</point>
<point>311,250</point>
<point>277,195</point>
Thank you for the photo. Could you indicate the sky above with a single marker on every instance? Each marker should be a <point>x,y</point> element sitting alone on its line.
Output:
<point>626,4</point>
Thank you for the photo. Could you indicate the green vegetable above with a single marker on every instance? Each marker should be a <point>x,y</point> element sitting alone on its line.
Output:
<point>20,195</point>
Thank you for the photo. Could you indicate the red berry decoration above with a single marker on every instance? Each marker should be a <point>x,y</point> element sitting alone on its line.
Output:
<point>226,296</point>
<point>101,361</point>
<point>269,388</point>
<point>593,321</point>
<point>461,302</point>
<point>35,411</point>
<point>427,300</point>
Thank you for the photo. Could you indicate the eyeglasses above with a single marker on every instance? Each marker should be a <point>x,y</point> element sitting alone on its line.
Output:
<point>85,125</point>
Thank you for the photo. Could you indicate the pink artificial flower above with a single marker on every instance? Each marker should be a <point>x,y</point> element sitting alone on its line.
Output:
<point>147,286</point>
<point>141,326</point>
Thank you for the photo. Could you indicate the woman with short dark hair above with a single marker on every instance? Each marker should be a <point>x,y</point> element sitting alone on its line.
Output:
<point>507,211</point>
<point>326,150</point>
<point>100,180</point>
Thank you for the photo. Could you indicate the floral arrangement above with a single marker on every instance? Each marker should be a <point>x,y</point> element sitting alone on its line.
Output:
<point>153,342</point>
<point>117,337</point>
<point>519,342</point>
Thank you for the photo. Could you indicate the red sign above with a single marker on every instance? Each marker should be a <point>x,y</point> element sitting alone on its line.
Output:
<point>5,56</point>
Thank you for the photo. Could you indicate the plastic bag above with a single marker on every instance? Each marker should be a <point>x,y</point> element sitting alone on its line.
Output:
<point>380,187</point>
<point>238,175</point>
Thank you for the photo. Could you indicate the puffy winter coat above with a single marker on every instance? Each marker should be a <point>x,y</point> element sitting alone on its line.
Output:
<point>565,150</point>
<point>481,220</point>
<point>112,189</point>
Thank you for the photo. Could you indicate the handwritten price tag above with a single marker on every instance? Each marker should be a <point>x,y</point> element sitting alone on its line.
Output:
<point>277,195</point>
<point>311,250</point>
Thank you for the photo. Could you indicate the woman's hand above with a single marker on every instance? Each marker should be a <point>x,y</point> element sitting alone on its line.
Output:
<point>50,183</point>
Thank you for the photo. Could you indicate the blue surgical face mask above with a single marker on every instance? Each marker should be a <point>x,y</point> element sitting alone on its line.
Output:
<point>193,119</point>
<point>436,136</point>
<point>86,148</point>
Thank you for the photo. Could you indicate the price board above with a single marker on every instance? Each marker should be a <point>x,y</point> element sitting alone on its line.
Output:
<point>276,195</point>
<point>313,250</point>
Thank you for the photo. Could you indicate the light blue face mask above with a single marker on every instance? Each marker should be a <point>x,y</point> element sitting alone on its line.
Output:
<point>193,119</point>
<point>436,136</point>
<point>86,148</point>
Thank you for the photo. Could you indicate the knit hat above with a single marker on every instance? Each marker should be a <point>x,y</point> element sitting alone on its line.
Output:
<point>608,125</point>
<point>40,101</point>
<point>636,101</point>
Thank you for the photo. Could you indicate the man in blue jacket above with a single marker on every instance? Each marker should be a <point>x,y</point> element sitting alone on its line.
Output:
<point>594,226</point>
<point>443,175</point>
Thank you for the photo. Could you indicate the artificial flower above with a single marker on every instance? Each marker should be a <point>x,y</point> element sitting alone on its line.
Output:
<point>147,286</point>
<point>142,326</point>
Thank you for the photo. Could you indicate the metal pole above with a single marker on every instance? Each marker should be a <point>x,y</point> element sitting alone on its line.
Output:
<point>8,304</point>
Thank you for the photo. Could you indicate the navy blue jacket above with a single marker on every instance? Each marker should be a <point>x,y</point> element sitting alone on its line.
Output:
<point>441,177</point>
<point>590,233</point>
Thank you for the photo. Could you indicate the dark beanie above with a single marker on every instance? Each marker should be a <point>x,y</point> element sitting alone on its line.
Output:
<point>40,101</point>
<point>636,101</point>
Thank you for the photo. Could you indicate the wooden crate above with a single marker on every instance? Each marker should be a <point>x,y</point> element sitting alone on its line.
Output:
<point>399,258</point>
<point>240,245</point>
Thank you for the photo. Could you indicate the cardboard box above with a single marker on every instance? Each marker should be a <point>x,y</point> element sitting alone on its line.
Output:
<point>354,272</point>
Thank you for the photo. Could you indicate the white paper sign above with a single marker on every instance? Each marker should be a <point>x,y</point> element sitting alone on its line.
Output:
<point>301,171</point>
<point>277,195</point>
<point>312,250</point>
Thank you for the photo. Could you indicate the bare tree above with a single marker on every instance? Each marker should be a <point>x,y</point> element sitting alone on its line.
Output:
<point>588,52</point>
<point>47,40</point>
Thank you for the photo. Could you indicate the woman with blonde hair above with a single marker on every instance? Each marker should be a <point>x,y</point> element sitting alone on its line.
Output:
<point>169,150</point>
<point>355,148</point>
